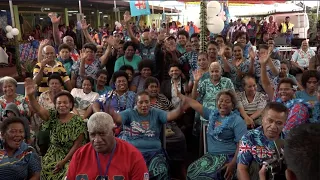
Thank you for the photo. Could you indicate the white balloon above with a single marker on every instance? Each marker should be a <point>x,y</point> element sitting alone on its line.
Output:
<point>9,35</point>
<point>215,24</point>
<point>8,28</point>
<point>117,22</point>
<point>213,8</point>
<point>15,31</point>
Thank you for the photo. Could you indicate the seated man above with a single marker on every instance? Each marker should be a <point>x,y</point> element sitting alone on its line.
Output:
<point>301,153</point>
<point>122,160</point>
<point>142,128</point>
<point>48,66</point>
<point>258,145</point>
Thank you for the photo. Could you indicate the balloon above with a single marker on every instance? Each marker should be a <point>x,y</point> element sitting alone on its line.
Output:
<point>9,35</point>
<point>8,28</point>
<point>213,8</point>
<point>224,18</point>
<point>15,31</point>
<point>117,22</point>
<point>215,25</point>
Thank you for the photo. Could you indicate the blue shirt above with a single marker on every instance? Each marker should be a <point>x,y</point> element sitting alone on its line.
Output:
<point>118,103</point>
<point>306,97</point>
<point>226,141</point>
<point>255,146</point>
<point>21,165</point>
<point>105,90</point>
<point>191,30</point>
<point>143,131</point>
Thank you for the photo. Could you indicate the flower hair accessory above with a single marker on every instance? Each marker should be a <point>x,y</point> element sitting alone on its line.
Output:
<point>295,87</point>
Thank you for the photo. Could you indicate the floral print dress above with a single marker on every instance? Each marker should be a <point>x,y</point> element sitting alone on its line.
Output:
<point>62,136</point>
<point>243,67</point>
<point>21,101</point>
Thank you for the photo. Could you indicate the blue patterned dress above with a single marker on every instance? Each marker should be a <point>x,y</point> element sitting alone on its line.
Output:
<point>244,68</point>
<point>223,134</point>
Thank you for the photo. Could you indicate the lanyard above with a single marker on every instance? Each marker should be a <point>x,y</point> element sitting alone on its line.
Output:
<point>108,165</point>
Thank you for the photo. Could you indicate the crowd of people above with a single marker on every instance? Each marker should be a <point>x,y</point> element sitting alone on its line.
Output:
<point>153,106</point>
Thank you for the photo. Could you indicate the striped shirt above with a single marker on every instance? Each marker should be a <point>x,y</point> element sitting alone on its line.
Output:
<point>259,102</point>
<point>162,103</point>
<point>48,70</point>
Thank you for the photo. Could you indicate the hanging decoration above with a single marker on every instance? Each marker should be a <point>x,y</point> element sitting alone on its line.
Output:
<point>203,25</point>
<point>11,32</point>
<point>216,18</point>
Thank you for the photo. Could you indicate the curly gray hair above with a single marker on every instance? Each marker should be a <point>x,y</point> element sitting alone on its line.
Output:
<point>100,122</point>
<point>232,95</point>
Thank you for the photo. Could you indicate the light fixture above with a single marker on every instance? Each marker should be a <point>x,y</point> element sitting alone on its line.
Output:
<point>41,18</point>
<point>105,16</point>
<point>92,12</point>
<point>72,11</point>
<point>70,14</point>
<point>3,10</point>
<point>100,12</point>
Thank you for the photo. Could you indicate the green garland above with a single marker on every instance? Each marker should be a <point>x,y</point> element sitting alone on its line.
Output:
<point>17,56</point>
<point>203,24</point>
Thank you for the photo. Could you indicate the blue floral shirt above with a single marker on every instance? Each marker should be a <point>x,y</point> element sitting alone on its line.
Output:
<point>254,146</point>
<point>244,68</point>
<point>118,103</point>
<point>192,59</point>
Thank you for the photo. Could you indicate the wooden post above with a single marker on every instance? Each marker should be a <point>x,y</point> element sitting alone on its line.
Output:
<point>66,17</point>
<point>98,19</point>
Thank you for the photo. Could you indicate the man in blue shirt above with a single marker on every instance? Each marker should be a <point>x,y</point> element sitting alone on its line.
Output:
<point>142,127</point>
<point>259,144</point>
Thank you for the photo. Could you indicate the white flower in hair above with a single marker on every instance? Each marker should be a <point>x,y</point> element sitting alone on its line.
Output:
<point>295,87</point>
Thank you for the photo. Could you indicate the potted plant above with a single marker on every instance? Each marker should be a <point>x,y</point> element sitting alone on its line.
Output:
<point>28,67</point>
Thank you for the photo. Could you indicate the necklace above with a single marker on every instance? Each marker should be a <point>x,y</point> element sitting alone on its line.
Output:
<point>104,176</point>
<point>118,108</point>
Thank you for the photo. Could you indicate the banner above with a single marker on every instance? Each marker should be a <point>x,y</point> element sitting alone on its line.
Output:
<point>138,8</point>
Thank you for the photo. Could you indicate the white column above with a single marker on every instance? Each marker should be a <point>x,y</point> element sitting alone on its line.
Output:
<point>11,13</point>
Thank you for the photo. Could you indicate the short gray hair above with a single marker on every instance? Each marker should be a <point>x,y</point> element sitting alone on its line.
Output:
<point>100,121</point>
<point>8,79</point>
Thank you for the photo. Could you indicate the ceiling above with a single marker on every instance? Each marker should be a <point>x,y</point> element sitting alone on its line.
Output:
<point>59,5</point>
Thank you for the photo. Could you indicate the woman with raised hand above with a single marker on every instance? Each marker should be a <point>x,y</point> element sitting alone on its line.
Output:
<point>225,129</point>
<point>67,132</point>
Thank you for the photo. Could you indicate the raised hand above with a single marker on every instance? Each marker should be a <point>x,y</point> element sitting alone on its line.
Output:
<point>263,58</point>
<point>197,75</point>
<point>127,16</point>
<point>54,18</point>
<point>30,87</point>
<point>111,41</point>
<point>83,55</point>
<point>44,42</point>
<point>221,51</point>
<point>84,25</point>
<point>44,62</point>
<point>252,54</point>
